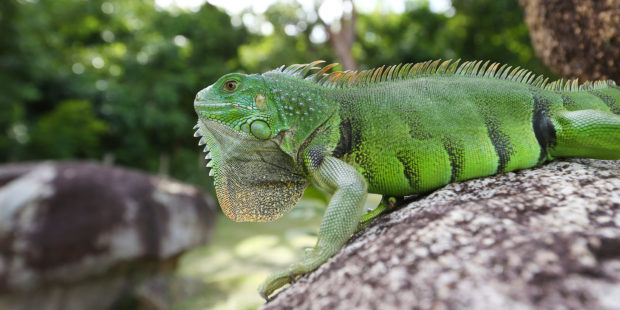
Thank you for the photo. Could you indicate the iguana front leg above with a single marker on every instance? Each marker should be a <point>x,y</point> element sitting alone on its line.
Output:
<point>339,222</point>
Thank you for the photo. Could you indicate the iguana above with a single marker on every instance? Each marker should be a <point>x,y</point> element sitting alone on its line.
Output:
<point>396,131</point>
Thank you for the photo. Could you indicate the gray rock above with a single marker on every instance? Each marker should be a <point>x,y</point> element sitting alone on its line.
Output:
<point>542,238</point>
<point>80,235</point>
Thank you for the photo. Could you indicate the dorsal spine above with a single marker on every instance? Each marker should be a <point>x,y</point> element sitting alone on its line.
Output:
<point>347,79</point>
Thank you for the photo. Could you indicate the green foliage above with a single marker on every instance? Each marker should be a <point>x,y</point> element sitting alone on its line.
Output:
<point>263,53</point>
<point>415,36</point>
<point>70,68</point>
<point>477,29</point>
<point>55,134</point>
<point>496,30</point>
<point>88,79</point>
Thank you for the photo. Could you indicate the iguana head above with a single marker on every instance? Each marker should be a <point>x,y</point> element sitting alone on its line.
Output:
<point>238,121</point>
<point>239,102</point>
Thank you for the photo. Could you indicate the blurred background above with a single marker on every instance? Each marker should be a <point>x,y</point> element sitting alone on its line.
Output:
<point>113,81</point>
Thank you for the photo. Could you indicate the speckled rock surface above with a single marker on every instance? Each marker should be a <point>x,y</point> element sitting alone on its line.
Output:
<point>543,238</point>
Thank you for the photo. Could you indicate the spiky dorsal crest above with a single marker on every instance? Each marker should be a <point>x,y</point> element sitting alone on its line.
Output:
<point>344,79</point>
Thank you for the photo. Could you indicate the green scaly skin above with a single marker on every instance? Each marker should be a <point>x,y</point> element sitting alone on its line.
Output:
<point>397,131</point>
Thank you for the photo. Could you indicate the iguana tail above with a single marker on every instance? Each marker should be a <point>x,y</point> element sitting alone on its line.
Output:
<point>590,126</point>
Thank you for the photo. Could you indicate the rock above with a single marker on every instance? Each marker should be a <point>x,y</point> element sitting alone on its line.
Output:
<point>81,236</point>
<point>542,238</point>
<point>165,292</point>
<point>576,38</point>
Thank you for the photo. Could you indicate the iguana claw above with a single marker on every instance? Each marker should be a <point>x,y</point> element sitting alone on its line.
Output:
<point>387,203</point>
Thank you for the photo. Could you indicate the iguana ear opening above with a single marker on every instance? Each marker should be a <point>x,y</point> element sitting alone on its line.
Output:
<point>254,190</point>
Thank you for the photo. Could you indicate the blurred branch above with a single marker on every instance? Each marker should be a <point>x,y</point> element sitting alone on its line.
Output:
<point>342,40</point>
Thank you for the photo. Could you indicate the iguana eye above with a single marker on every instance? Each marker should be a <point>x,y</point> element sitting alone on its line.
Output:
<point>230,85</point>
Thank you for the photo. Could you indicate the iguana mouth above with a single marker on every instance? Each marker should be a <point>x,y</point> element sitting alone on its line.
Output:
<point>212,105</point>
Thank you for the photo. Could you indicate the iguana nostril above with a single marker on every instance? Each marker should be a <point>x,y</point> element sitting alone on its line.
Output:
<point>201,94</point>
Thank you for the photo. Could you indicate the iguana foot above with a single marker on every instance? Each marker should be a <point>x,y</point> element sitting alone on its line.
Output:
<point>386,204</point>
<point>311,261</point>
<point>274,282</point>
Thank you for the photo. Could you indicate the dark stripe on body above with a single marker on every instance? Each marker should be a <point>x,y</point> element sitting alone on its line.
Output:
<point>568,102</point>
<point>417,130</point>
<point>410,169</point>
<point>501,143</point>
<point>345,143</point>
<point>609,101</point>
<point>455,152</point>
<point>542,125</point>
<point>364,161</point>
<point>417,134</point>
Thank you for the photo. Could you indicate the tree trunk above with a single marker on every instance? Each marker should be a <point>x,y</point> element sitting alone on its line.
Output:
<point>343,40</point>
<point>576,38</point>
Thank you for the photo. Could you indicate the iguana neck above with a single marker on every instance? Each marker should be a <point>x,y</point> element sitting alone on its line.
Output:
<point>303,107</point>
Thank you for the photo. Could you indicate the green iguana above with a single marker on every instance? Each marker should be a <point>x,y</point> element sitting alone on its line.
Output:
<point>395,131</point>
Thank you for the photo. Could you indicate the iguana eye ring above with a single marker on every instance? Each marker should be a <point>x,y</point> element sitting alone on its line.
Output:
<point>230,85</point>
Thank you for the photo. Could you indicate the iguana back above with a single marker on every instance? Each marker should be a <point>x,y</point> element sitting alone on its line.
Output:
<point>415,135</point>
